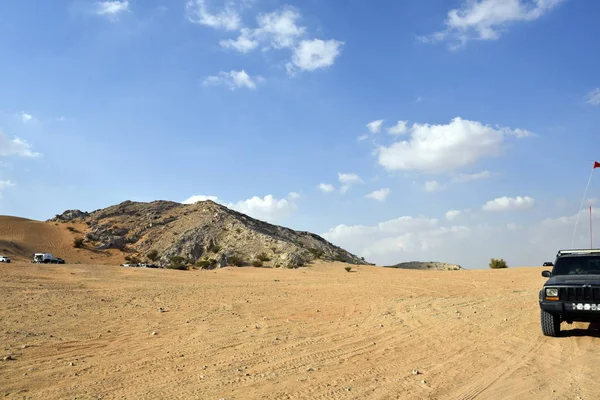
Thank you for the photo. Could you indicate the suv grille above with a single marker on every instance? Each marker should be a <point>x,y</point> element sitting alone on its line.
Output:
<point>586,294</point>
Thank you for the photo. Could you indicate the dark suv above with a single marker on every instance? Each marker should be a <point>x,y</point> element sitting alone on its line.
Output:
<point>573,291</point>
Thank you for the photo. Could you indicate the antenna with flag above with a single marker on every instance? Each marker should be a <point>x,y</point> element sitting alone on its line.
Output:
<point>591,241</point>
<point>596,165</point>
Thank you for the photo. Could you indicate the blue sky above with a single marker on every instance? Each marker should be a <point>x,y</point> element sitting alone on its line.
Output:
<point>425,130</point>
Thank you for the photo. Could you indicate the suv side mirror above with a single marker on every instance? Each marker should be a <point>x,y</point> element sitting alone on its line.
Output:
<point>546,274</point>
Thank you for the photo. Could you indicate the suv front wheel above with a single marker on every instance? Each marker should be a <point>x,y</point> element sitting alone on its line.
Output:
<point>550,323</point>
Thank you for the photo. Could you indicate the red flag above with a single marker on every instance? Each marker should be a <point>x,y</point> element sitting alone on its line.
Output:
<point>596,164</point>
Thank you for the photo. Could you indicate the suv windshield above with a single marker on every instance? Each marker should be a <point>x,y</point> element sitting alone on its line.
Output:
<point>577,265</point>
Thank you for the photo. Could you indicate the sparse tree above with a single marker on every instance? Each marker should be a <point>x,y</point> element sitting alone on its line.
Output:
<point>78,242</point>
<point>498,263</point>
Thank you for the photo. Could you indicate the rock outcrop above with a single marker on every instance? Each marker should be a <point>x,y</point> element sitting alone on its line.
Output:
<point>204,232</point>
<point>431,265</point>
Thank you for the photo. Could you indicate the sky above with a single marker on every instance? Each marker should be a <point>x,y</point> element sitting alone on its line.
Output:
<point>433,130</point>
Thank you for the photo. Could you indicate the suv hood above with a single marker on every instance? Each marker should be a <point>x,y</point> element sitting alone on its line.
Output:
<point>575,280</point>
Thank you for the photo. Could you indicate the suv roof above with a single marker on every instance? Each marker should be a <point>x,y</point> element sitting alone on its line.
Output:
<point>577,252</point>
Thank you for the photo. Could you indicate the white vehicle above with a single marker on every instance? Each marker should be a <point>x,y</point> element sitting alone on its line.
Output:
<point>4,259</point>
<point>44,258</point>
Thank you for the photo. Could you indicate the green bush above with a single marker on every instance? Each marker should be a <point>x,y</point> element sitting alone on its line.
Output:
<point>257,263</point>
<point>213,248</point>
<point>318,253</point>
<point>178,262</point>
<point>152,255</point>
<point>348,269</point>
<point>497,264</point>
<point>78,242</point>
<point>236,260</point>
<point>71,229</point>
<point>179,267</point>
<point>339,258</point>
<point>263,257</point>
<point>207,264</point>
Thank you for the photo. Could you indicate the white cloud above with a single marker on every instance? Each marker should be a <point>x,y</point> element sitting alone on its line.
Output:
<point>293,196</point>
<point>280,28</point>
<point>379,195</point>
<point>276,30</point>
<point>25,117</point>
<point>111,8</point>
<point>347,180</point>
<point>443,148</point>
<point>267,208</point>
<point>326,187</point>
<point>509,204</point>
<point>375,126</point>
<point>200,197</point>
<point>593,97</point>
<point>234,79</point>
<point>432,186</point>
<point>244,43</point>
<point>227,19</point>
<point>5,184</point>
<point>362,137</point>
<point>387,241</point>
<point>453,214</point>
<point>472,246</point>
<point>488,19</point>
<point>315,54</point>
<point>399,129</point>
<point>592,201</point>
<point>16,147</point>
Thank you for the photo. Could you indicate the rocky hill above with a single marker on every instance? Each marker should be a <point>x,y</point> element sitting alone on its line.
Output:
<point>204,233</point>
<point>431,265</point>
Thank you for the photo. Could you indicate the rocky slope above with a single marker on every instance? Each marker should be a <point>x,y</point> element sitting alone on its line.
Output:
<point>204,233</point>
<point>431,265</point>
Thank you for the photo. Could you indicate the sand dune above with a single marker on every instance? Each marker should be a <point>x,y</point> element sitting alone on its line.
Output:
<point>20,238</point>
<point>85,331</point>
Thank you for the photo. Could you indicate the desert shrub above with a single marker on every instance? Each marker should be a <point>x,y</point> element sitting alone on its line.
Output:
<point>318,253</point>
<point>263,257</point>
<point>238,230</point>
<point>71,229</point>
<point>177,261</point>
<point>236,260</point>
<point>207,264</point>
<point>339,258</point>
<point>213,248</point>
<point>152,255</point>
<point>257,263</point>
<point>78,242</point>
<point>179,267</point>
<point>348,269</point>
<point>497,264</point>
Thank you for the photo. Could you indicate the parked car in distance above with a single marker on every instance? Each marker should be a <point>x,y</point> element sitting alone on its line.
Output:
<point>548,264</point>
<point>4,259</point>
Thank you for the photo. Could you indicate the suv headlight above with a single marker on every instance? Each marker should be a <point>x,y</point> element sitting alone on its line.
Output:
<point>551,292</point>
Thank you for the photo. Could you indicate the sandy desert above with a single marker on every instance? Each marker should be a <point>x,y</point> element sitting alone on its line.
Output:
<point>107,332</point>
